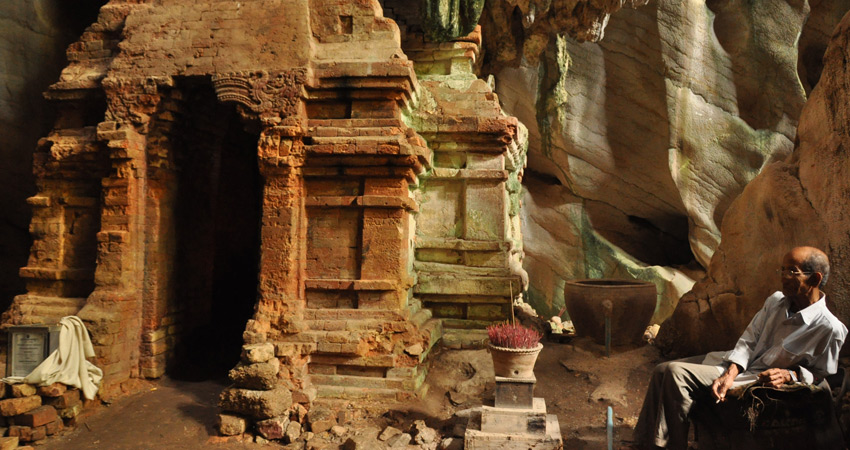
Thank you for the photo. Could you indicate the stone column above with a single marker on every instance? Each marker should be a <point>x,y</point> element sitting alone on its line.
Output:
<point>113,311</point>
<point>60,270</point>
<point>281,295</point>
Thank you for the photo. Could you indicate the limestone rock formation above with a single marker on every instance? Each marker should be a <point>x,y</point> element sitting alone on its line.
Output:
<point>801,200</point>
<point>652,132</point>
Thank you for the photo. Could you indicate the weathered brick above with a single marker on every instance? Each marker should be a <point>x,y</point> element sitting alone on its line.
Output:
<point>54,390</point>
<point>37,417</point>
<point>22,433</point>
<point>259,404</point>
<point>320,419</point>
<point>273,428</point>
<point>9,443</point>
<point>231,425</point>
<point>54,427</point>
<point>66,400</point>
<point>261,376</point>
<point>15,406</point>
<point>258,353</point>
<point>23,390</point>
<point>70,412</point>
<point>39,433</point>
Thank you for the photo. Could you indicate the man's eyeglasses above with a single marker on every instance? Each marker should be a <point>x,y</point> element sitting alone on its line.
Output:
<point>789,273</point>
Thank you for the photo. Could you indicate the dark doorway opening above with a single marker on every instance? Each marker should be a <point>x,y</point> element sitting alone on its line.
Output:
<point>217,225</point>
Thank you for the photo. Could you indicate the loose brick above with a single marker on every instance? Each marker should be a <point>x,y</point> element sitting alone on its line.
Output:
<point>54,427</point>
<point>39,433</point>
<point>273,428</point>
<point>23,390</point>
<point>23,433</point>
<point>66,400</point>
<point>70,412</point>
<point>258,404</point>
<point>231,425</point>
<point>320,419</point>
<point>258,353</point>
<point>54,390</point>
<point>37,417</point>
<point>9,443</point>
<point>15,406</point>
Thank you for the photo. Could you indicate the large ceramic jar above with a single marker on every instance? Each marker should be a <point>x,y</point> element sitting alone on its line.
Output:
<point>630,304</point>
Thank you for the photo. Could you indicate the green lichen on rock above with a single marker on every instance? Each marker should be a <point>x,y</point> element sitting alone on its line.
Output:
<point>553,93</point>
<point>445,20</point>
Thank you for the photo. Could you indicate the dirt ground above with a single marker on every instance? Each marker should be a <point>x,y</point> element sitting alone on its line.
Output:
<point>577,381</point>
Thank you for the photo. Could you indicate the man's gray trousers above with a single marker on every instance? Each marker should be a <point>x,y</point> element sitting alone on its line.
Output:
<point>663,420</point>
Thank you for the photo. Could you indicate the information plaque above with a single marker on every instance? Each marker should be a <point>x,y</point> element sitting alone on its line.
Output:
<point>29,345</point>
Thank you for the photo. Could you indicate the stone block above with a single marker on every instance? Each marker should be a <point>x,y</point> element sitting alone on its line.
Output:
<point>15,406</point>
<point>54,390</point>
<point>388,432</point>
<point>262,376</point>
<point>39,433</point>
<point>37,417</point>
<point>274,428</point>
<point>320,419</point>
<point>304,396</point>
<point>292,433</point>
<point>257,353</point>
<point>9,443</point>
<point>231,425</point>
<point>54,427</point>
<point>68,399</point>
<point>361,442</point>
<point>22,433</point>
<point>399,441</point>
<point>23,390</point>
<point>258,404</point>
<point>515,392</point>
<point>424,435</point>
<point>70,412</point>
<point>550,440</point>
<point>515,420</point>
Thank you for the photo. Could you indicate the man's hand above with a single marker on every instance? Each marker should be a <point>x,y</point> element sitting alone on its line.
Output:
<point>724,382</point>
<point>775,377</point>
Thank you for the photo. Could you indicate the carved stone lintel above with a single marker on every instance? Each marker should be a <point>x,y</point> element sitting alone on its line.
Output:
<point>133,100</point>
<point>263,93</point>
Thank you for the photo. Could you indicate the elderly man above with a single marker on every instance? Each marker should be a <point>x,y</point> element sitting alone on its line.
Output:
<point>792,339</point>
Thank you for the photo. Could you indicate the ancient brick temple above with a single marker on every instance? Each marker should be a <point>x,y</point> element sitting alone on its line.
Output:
<point>311,175</point>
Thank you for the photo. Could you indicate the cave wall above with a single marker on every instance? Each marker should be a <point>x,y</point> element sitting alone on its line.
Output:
<point>33,38</point>
<point>648,135</point>
<point>801,200</point>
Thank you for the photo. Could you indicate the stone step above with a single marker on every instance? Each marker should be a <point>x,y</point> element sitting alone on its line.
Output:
<point>354,314</point>
<point>355,123</point>
<point>386,361</point>
<point>361,382</point>
<point>325,131</point>
<point>435,269</point>
<point>449,284</point>
<point>464,339</point>
<point>358,393</point>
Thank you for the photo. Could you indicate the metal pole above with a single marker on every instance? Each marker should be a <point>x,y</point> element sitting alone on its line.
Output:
<point>608,308</point>
<point>610,428</point>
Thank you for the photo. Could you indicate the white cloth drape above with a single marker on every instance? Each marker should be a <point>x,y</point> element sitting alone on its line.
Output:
<point>67,364</point>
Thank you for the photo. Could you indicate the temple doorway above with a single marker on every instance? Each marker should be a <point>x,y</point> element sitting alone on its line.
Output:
<point>205,192</point>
